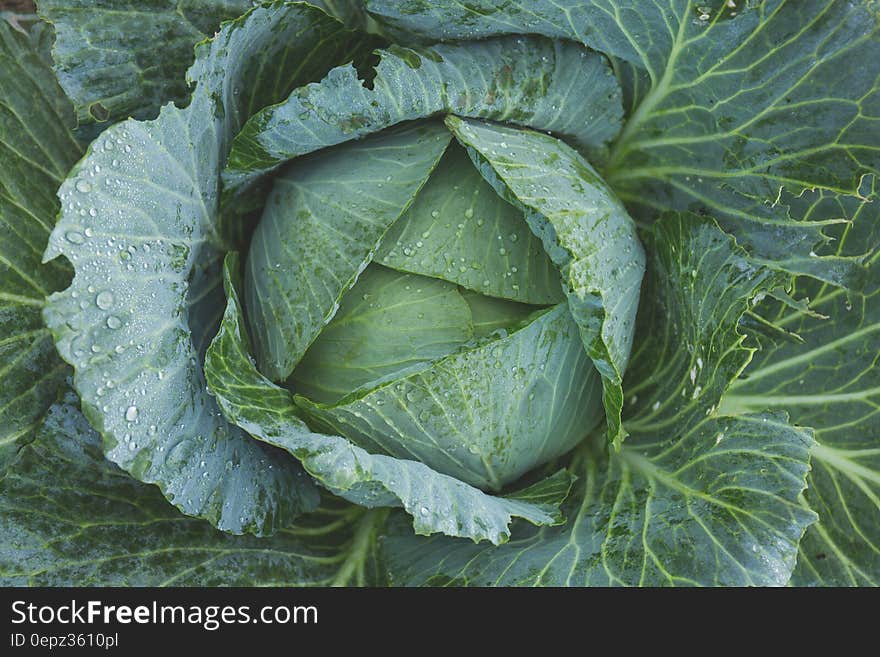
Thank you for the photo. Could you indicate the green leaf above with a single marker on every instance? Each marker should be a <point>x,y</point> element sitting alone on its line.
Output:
<point>486,414</point>
<point>350,12</point>
<point>138,213</point>
<point>530,81</point>
<point>626,29</point>
<point>727,133</point>
<point>832,383</point>
<point>323,221</point>
<point>585,231</point>
<point>120,59</point>
<point>390,322</point>
<point>460,230</point>
<point>436,502</point>
<point>69,517</point>
<point>490,315</point>
<point>693,497</point>
<point>738,102</point>
<point>37,149</point>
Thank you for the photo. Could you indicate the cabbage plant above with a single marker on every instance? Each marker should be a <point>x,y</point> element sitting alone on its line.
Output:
<point>440,293</point>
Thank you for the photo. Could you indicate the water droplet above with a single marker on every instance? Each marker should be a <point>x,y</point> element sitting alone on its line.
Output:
<point>104,300</point>
<point>424,510</point>
<point>435,213</point>
<point>93,212</point>
<point>131,414</point>
<point>468,213</point>
<point>83,186</point>
<point>74,237</point>
<point>113,322</point>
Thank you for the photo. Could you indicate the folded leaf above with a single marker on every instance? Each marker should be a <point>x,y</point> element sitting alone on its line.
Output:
<point>392,322</point>
<point>140,225</point>
<point>487,413</point>
<point>460,230</point>
<point>544,84</point>
<point>323,220</point>
<point>586,232</point>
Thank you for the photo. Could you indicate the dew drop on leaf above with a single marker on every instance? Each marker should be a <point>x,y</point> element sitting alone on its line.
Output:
<point>104,300</point>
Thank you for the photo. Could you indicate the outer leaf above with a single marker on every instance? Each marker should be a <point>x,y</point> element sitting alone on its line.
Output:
<point>139,211</point>
<point>460,230</point>
<point>436,502</point>
<point>36,149</point>
<point>544,84</point>
<point>106,52</point>
<point>626,29</point>
<point>586,232</point>
<point>832,383</point>
<point>742,101</point>
<point>692,497</point>
<point>323,221</point>
<point>95,525</point>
